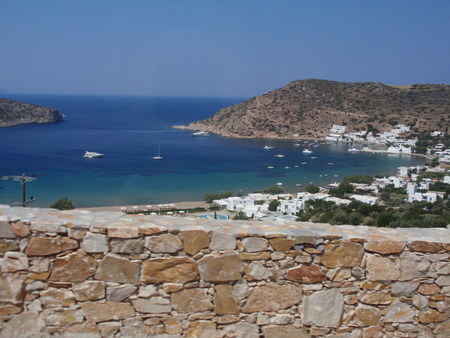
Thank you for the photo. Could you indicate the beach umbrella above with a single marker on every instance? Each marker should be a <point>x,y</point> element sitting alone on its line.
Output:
<point>148,206</point>
<point>135,207</point>
<point>153,213</point>
<point>181,212</point>
<point>170,213</point>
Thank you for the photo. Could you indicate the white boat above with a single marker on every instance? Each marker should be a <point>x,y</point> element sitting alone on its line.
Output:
<point>279,184</point>
<point>270,167</point>
<point>307,151</point>
<point>200,133</point>
<point>92,154</point>
<point>158,155</point>
<point>287,167</point>
<point>353,150</point>
<point>279,155</point>
<point>268,145</point>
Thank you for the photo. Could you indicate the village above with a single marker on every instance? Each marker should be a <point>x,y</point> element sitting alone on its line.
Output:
<point>415,182</point>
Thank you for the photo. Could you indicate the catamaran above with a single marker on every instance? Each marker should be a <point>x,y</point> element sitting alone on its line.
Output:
<point>268,146</point>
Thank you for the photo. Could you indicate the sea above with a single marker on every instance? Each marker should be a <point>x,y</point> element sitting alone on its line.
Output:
<point>130,129</point>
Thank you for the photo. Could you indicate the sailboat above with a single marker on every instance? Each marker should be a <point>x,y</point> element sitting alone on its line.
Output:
<point>268,146</point>
<point>280,154</point>
<point>158,155</point>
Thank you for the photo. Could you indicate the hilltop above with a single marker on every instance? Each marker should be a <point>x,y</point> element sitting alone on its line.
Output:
<point>13,113</point>
<point>309,108</point>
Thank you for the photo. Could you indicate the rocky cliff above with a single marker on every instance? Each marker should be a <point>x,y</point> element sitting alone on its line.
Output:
<point>13,113</point>
<point>309,108</point>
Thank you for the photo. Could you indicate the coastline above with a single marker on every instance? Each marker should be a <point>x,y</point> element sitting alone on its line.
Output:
<point>144,207</point>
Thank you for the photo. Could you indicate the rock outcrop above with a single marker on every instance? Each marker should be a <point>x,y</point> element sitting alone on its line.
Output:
<point>13,113</point>
<point>309,108</point>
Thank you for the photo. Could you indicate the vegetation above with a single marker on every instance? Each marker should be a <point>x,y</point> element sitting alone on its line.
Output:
<point>63,204</point>
<point>241,216</point>
<point>312,189</point>
<point>273,205</point>
<point>274,190</point>
<point>221,195</point>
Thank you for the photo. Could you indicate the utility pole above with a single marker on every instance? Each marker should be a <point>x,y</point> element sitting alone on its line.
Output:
<point>23,180</point>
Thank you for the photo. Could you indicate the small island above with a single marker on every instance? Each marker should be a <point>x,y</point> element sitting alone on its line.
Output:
<point>14,113</point>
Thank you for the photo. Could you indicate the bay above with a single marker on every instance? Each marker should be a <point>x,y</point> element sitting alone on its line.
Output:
<point>129,129</point>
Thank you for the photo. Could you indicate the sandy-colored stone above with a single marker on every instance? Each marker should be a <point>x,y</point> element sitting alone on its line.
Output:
<point>404,289</point>
<point>127,246</point>
<point>152,305</point>
<point>423,246</point>
<point>381,269</point>
<point>89,290</point>
<point>114,268</point>
<point>399,312</point>
<point>120,293</point>
<point>94,243</point>
<point>256,271</point>
<point>54,297</point>
<point>246,330</point>
<point>384,247</point>
<point>26,324</point>
<point>429,289</point>
<point>64,318</point>
<point>20,229</point>
<point>74,267</point>
<point>151,229</point>
<point>5,230</point>
<point>14,261</point>
<point>173,327</point>
<point>46,246</point>
<point>345,254</point>
<point>108,329</point>
<point>367,315</point>
<point>306,274</point>
<point>221,267</point>
<point>123,230</point>
<point>191,300</point>
<point>323,308</point>
<point>169,270</point>
<point>375,298</point>
<point>6,246</point>
<point>373,332</point>
<point>12,289</point>
<point>166,243</point>
<point>224,302</point>
<point>254,256</point>
<point>443,329</point>
<point>255,244</point>
<point>194,240</point>
<point>83,329</point>
<point>272,297</point>
<point>413,266</point>
<point>282,244</point>
<point>285,331</point>
<point>221,241</point>
<point>102,312</point>
<point>432,316</point>
<point>201,329</point>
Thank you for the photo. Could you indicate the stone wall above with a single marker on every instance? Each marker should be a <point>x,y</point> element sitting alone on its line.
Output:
<point>111,274</point>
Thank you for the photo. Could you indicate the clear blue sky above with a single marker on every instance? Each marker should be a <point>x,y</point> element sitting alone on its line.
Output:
<point>217,48</point>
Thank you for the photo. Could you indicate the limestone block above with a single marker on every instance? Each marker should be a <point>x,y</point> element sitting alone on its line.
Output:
<point>191,300</point>
<point>169,270</point>
<point>366,315</point>
<point>384,247</point>
<point>246,330</point>
<point>221,267</point>
<point>103,312</point>
<point>14,261</point>
<point>443,330</point>
<point>194,240</point>
<point>429,289</point>
<point>201,329</point>
<point>420,302</point>
<point>114,268</point>
<point>432,316</point>
<point>240,289</point>
<point>345,254</point>
<point>381,269</point>
<point>224,302</point>
<point>64,318</point>
<point>89,290</point>
<point>108,329</point>
<point>399,312</point>
<point>221,240</point>
<point>375,298</point>
<point>152,305</point>
<point>40,264</point>
<point>20,229</point>
<point>94,243</point>
<point>285,331</point>
<point>443,281</point>
<point>254,256</point>
<point>165,243</point>
<point>74,267</point>
<point>272,297</point>
<point>5,230</point>
<point>413,266</point>
<point>49,225</point>
<point>173,327</point>
<point>423,246</point>
<point>86,329</point>
<point>442,268</point>
<point>282,244</point>
<point>7,245</point>
<point>404,289</point>
<point>151,229</point>
<point>257,271</point>
<point>123,230</point>
<point>127,246</point>
<point>255,244</point>
<point>12,289</point>
<point>134,327</point>
<point>56,297</point>
<point>119,293</point>
<point>46,246</point>
<point>306,273</point>
<point>323,308</point>
<point>147,291</point>
<point>27,324</point>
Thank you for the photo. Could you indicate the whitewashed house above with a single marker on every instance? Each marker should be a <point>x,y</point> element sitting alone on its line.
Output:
<point>446,179</point>
<point>338,129</point>
<point>411,188</point>
<point>404,171</point>
<point>238,203</point>
<point>371,200</point>
<point>290,207</point>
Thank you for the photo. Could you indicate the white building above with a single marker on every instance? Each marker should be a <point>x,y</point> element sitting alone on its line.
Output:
<point>404,171</point>
<point>411,188</point>
<point>447,179</point>
<point>338,129</point>
<point>238,203</point>
<point>371,200</point>
<point>290,207</point>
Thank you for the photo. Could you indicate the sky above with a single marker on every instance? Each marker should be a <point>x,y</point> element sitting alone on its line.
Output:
<point>232,48</point>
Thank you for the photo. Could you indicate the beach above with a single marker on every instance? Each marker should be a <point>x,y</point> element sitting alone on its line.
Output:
<point>144,207</point>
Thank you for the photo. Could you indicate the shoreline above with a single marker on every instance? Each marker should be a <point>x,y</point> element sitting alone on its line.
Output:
<point>145,207</point>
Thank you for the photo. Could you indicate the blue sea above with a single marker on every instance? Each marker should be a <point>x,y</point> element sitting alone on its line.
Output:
<point>129,130</point>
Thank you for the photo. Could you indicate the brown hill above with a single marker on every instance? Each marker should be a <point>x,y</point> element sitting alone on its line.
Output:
<point>13,113</point>
<point>309,108</point>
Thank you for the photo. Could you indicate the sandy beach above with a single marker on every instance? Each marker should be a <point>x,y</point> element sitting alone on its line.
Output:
<point>145,207</point>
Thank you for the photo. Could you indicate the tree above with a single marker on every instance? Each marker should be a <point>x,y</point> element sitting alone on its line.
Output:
<point>273,205</point>
<point>63,204</point>
<point>312,189</point>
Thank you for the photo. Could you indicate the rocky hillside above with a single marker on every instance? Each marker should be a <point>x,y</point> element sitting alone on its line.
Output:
<point>308,109</point>
<point>13,113</point>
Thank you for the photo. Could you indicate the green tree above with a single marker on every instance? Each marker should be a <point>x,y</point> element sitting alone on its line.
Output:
<point>312,188</point>
<point>63,204</point>
<point>273,205</point>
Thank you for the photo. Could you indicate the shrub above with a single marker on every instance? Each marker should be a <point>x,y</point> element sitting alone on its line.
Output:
<point>63,204</point>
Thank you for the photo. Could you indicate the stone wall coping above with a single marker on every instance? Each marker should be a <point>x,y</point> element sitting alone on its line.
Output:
<point>52,220</point>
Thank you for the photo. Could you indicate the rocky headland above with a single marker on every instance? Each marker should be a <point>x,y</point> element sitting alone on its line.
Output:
<point>13,113</point>
<point>309,108</point>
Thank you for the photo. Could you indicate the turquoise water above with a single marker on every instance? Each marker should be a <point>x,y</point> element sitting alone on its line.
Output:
<point>128,131</point>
